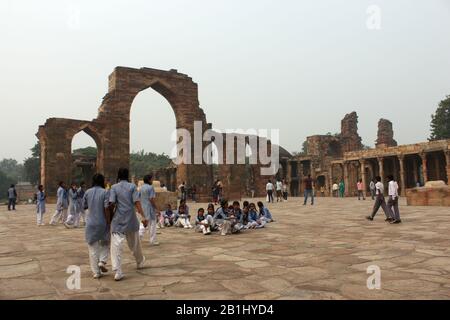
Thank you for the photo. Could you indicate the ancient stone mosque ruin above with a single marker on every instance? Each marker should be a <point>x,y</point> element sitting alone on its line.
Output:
<point>329,158</point>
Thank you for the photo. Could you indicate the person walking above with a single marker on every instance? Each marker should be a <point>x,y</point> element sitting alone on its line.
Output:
<point>40,205</point>
<point>379,201</point>
<point>309,189</point>
<point>342,189</point>
<point>335,190</point>
<point>147,196</point>
<point>372,189</point>
<point>183,191</point>
<point>97,233</point>
<point>360,187</point>
<point>393,200</point>
<point>123,200</point>
<point>269,190</point>
<point>12,197</point>
<point>279,188</point>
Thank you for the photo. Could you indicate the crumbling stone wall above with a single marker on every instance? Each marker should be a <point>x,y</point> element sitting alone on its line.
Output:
<point>385,134</point>
<point>349,137</point>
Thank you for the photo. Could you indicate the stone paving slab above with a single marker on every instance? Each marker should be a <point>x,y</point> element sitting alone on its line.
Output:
<point>310,252</point>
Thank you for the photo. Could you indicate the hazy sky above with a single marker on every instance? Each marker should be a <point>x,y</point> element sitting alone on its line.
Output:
<point>299,66</point>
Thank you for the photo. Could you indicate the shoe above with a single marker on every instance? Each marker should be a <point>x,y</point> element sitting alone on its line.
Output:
<point>389,220</point>
<point>396,222</point>
<point>369,218</point>
<point>97,276</point>
<point>68,226</point>
<point>141,265</point>
<point>156,243</point>
<point>118,276</point>
<point>102,267</point>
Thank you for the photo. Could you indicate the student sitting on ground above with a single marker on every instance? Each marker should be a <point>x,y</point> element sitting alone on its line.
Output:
<point>244,218</point>
<point>221,220</point>
<point>210,211</point>
<point>169,216</point>
<point>264,213</point>
<point>237,212</point>
<point>183,219</point>
<point>254,221</point>
<point>203,222</point>
<point>235,227</point>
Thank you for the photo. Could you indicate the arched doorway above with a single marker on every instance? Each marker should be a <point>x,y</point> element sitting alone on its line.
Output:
<point>84,158</point>
<point>152,126</point>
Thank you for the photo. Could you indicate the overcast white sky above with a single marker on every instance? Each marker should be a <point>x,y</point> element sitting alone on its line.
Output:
<point>299,66</point>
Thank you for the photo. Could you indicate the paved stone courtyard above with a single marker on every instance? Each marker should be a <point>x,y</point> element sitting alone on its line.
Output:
<point>313,252</point>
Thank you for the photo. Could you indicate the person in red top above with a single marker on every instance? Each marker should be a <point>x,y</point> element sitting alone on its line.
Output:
<point>308,189</point>
<point>360,186</point>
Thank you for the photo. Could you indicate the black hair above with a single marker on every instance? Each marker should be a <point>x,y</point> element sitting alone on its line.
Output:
<point>12,186</point>
<point>223,203</point>
<point>390,177</point>
<point>148,178</point>
<point>245,203</point>
<point>211,206</point>
<point>40,186</point>
<point>98,180</point>
<point>201,210</point>
<point>378,178</point>
<point>60,183</point>
<point>236,203</point>
<point>260,204</point>
<point>82,183</point>
<point>123,174</point>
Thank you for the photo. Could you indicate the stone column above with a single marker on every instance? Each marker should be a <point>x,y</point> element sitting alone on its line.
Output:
<point>346,180</point>
<point>381,166</point>
<point>288,173</point>
<point>447,159</point>
<point>362,163</point>
<point>401,160</point>
<point>415,171</point>
<point>330,179</point>
<point>424,167</point>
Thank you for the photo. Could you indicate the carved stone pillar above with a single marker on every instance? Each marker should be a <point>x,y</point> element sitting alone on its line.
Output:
<point>401,160</point>
<point>424,167</point>
<point>362,163</point>
<point>447,159</point>
<point>381,166</point>
<point>346,180</point>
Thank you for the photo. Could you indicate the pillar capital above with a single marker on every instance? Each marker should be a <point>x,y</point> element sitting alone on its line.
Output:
<point>401,156</point>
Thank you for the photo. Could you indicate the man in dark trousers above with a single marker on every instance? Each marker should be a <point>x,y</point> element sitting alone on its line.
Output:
<point>12,196</point>
<point>308,189</point>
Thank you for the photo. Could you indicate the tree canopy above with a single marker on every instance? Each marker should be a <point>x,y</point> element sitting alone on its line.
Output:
<point>440,121</point>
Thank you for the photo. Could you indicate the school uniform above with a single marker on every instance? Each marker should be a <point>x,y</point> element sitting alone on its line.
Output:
<point>73,219</point>
<point>125,224</point>
<point>380,201</point>
<point>182,220</point>
<point>61,206</point>
<point>40,207</point>
<point>203,224</point>
<point>221,221</point>
<point>97,234</point>
<point>253,218</point>
<point>147,193</point>
<point>169,218</point>
<point>12,196</point>
<point>80,206</point>
<point>393,200</point>
<point>265,214</point>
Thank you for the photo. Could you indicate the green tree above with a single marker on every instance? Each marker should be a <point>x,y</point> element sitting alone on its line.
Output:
<point>142,163</point>
<point>12,169</point>
<point>32,165</point>
<point>5,182</point>
<point>440,121</point>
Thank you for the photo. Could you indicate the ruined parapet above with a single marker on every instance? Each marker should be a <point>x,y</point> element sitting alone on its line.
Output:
<point>350,139</point>
<point>385,134</point>
<point>434,193</point>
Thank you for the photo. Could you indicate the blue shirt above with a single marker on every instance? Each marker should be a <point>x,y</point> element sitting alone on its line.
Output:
<point>148,192</point>
<point>252,216</point>
<point>264,212</point>
<point>124,195</point>
<point>96,200</point>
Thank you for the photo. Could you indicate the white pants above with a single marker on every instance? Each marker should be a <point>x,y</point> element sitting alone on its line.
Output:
<point>205,228</point>
<point>225,227</point>
<point>98,252</point>
<point>134,244</point>
<point>183,223</point>
<point>82,215</point>
<point>152,230</point>
<point>40,217</point>
<point>60,215</point>
<point>73,219</point>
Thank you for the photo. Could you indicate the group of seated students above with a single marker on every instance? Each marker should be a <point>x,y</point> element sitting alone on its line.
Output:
<point>226,219</point>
